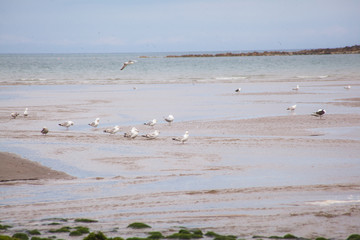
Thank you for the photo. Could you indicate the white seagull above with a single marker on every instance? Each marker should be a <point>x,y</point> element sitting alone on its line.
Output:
<point>292,108</point>
<point>132,134</point>
<point>127,63</point>
<point>169,119</point>
<point>347,87</point>
<point>14,115</point>
<point>238,90</point>
<point>151,123</point>
<point>66,124</point>
<point>182,139</point>
<point>112,130</point>
<point>152,135</point>
<point>319,113</point>
<point>95,123</point>
<point>26,113</point>
<point>44,131</point>
<point>296,88</point>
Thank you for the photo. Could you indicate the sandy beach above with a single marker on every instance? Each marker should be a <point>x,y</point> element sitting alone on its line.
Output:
<point>250,167</point>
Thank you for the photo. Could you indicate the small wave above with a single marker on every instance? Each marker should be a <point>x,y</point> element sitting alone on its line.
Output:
<point>308,76</point>
<point>332,202</point>
<point>230,78</point>
<point>32,79</point>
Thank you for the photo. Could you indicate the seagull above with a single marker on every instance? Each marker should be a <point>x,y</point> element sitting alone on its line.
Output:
<point>296,88</point>
<point>292,108</point>
<point>26,113</point>
<point>127,63</point>
<point>44,131</point>
<point>112,130</point>
<point>238,90</point>
<point>152,135</point>
<point>347,87</point>
<point>132,134</point>
<point>66,124</point>
<point>95,123</point>
<point>169,119</point>
<point>319,113</point>
<point>182,139</point>
<point>14,115</point>
<point>151,123</point>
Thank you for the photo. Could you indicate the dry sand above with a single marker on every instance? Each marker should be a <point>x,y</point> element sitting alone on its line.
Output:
<point>268,175</point>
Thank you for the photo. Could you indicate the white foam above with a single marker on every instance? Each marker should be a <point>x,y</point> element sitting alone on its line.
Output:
<point>333,202</point>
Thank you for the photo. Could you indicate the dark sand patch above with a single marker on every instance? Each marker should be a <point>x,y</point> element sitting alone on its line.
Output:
<point>15,168</point>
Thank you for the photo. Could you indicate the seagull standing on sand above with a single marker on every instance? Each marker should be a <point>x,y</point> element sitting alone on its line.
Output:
<point>95,123</point>
<point>319,113</point>
<point>14,115</point>
<point>127,63</point>
<point>296,88</point>
<point>151,123</point>
<point>182,139</point>
<point>238,90</point>
<point>112,130</point>
<point>132,134</point>
<point>66,124</point>
<point>169,119</point>
<point>44,131</point>
<point>26,113</point>
<point>152,135</point>
<point>292,108</point>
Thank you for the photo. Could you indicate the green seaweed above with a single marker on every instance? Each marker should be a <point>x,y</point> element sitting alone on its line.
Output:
<point>85,220</point>
<point>4,227</point>
<point>217,236</point>
<point>96,236</point>
<point>79,231</point>
<point>4,237</point>
<point>186,234</point>
<point>289,236</point>
<point>60,230</point>
<point>155,235</point>
<point>354,237</point>
<point>40,238</point>
<point>21,236</point>
<point>138,225</point>
<point>34,232</point>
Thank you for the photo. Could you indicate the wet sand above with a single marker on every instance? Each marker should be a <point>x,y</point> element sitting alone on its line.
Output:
<point>15,168</point>
<point>249,168</point>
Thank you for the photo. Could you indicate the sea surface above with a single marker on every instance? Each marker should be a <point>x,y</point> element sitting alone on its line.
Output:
<point>156,68</point>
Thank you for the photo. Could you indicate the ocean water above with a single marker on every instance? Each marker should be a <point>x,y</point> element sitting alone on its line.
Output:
<point>156,68</point>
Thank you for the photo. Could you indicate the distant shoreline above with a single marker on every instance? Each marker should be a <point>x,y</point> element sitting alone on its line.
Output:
<point>320,51</point>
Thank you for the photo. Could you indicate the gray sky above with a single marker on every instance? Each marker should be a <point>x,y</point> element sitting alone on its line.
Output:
<point>76,26</point>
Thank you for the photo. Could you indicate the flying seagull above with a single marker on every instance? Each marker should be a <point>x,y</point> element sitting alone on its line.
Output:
<point>292,108</point>
<point>44,131</point>
<point>169,119</point>
<point>66,124</point>
<point>26,113</point>
<point>95,123</point>
<point>296,88</point>
<point>319,113</point>
<point>347,87</point>
<point>152,135</point>
<point>127,63</point>
<point>238,90</point>
<point>132,134</point>
<point>182,139</point>
<point>14,115</point>
<point>151,123</point>
<point>112,130</point>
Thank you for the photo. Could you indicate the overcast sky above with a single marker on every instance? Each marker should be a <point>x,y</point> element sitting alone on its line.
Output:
<point>76,26</point>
